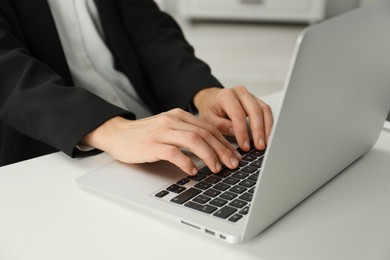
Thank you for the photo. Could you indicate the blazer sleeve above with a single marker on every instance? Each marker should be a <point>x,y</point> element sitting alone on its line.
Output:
<point>35,101</point>
<point>164,54</point>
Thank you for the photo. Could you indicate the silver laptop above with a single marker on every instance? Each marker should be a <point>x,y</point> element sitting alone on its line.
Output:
<point>335,102</point>
<point>387,123</point>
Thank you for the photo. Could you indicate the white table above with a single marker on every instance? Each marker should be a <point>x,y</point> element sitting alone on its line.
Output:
<point>44,215</point>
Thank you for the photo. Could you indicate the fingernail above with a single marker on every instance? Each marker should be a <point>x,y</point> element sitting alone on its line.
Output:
<point>234,162</point>
<point>194,171</point>
<point>231,131</point>
<point>261,142</point>
<point>246,144</point>
<point>218,167</point>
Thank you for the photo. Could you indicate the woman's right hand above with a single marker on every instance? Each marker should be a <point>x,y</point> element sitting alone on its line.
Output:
<point>160,137</point>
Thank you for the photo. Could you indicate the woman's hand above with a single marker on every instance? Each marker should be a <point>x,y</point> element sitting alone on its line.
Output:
<point>160,137</point>
<point>228,110</point>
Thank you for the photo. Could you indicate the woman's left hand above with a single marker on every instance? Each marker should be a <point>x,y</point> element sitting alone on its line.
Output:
<point>228,109</point>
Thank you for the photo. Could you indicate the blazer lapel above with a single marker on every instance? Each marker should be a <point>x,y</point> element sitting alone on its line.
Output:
<point>122,48</point>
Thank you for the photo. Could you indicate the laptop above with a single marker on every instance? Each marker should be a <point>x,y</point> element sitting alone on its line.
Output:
<point>387,123</point>
<point>335,102</point>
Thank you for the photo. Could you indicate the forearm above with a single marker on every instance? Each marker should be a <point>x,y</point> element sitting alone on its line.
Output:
<point>36,102</point>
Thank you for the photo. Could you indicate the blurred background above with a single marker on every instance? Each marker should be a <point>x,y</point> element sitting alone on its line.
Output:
<point>250,42</point>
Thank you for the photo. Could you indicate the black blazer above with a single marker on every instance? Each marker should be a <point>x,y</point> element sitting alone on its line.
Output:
<point>41,111</point>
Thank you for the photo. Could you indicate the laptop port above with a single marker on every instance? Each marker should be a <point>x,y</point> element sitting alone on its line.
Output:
<point>209,232</point>
<point>191,225</point>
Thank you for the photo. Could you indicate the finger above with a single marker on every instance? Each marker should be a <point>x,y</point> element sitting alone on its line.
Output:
<point>268,119</point>
<point>223,125</point>
<point>203,145</point>
<point>195,144</point>
<point>175,156</point>
<point>256,119</point>
<point>236,113</point>
<point>191,120</point>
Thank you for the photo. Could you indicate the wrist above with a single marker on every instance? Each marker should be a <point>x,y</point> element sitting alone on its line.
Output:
<point>101,135</point>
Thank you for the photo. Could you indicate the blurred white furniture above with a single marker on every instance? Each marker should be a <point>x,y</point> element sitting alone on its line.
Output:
<point>309,11</point>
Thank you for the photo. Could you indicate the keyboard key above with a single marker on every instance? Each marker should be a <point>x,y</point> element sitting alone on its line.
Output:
<point>162,194</point>
<point>205,170</point>
<point>225,212</point>
<point>173,187</point>
<point>244,211</point>
<point>221,186</point>
<point>224,173</point>
<point>249,157</point>
<point>176,188</point>
<point>247,183</point>
<point>183,181</point>
<point>231,180</point>
<point>188,194</point>
<point>240,175</point>
<point>238,203</point>
<point>180,189</point>
<point>257,164</point>
<point>243,163</point>
<point>213,179</point>
<point>246,196</point>
<point>212,193</point>
<point>252,190</point>
<point>198,177</point>
<point>254,176</point>
<point>201,199</point>
<point>257,153</point>
<point>231,170</point>
<point>235,218</point>
<point>249,169</point>
<point>203,185</point>
<point>237,189</point>
<point>204,208</point>
<point>228,195</point>
<point>218,202</point>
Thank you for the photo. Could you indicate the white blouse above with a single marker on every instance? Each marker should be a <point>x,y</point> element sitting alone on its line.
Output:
<point>90,61</point>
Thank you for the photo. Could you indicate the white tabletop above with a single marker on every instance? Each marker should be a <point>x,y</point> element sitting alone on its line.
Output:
<point>44,215</point>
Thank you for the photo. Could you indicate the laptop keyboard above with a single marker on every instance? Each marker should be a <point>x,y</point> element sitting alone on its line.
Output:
<point>226,194</point>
